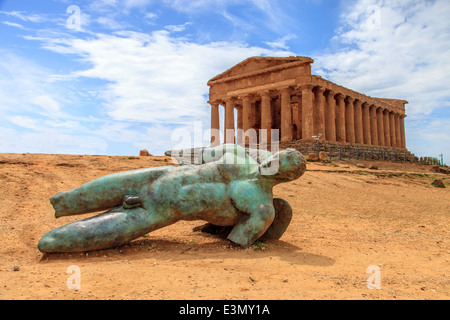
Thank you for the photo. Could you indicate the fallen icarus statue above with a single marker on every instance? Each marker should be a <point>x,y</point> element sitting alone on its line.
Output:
<point>229,189</point>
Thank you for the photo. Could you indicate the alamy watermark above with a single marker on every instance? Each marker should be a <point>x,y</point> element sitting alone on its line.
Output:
<point>74,280</point>
<point>374,17</point>
<point>374,280</point>
<point>73,22</point>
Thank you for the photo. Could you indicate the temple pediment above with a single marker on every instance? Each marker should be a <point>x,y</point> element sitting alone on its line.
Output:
<point>254,65</point>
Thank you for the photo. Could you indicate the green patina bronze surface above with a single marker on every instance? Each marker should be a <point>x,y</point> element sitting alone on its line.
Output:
<point>229,188</point>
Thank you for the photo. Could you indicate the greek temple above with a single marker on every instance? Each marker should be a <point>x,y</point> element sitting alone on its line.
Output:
<point>281,93</point>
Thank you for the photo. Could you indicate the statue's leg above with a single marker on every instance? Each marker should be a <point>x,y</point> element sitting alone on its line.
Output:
<point>105,192</point>
<point>109,229</point>
<point>283,216</point>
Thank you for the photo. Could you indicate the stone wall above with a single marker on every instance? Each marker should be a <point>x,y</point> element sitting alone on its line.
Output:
<point>346,151</point>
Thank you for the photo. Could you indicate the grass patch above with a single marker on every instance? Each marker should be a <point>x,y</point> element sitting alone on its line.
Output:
<point>421,175</point>
<point>438,184</point>
<point>259,245</point>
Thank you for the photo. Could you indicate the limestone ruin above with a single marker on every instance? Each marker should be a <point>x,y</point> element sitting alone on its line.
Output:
<point>281,93</point>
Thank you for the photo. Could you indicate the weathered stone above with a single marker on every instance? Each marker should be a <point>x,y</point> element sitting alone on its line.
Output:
<point>438,183</point>
<point>324,156</point>
<point>144,153</point>
<point>282,93</point>
<point>444,170</point>
<point>230,189</point>
<point>313,157</point>
<point>373,167</point>
<point>440,169</point>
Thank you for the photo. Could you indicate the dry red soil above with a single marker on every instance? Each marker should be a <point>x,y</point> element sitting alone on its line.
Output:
<point>347,219</point>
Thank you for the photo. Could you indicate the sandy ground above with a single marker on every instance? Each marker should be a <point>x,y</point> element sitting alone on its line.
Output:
<point>347,219</point>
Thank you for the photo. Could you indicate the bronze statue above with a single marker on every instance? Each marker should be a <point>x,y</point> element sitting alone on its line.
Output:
<point>229,189</point>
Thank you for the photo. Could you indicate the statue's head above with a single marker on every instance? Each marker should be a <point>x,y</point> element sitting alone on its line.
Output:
<point>286,165</point>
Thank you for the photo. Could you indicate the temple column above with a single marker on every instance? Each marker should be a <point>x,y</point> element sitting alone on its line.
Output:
<point>299,115</point>
<point>215,124</point>
<point>402,131</point>
<point>340,118</point>
<point>307,112</point>
<point>397,131</point>
<point>266,117</point>
<point>286,115</point>
<point>229,121</point>
<point>350,120</point>
<point>366,124</point>
<point>359,136</point>
<point>392,130</point>
<point>380,126</point>
<point>296,120</point>
<point>374,125</point>
<point>387,128</point>
<point>246,117</point>
<point>330,117</point>
<point>319,125</point>
<point>239,127</point>
<point>253,116</point>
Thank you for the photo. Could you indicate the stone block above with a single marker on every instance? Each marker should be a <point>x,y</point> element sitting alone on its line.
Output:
<point>324,156</point>
<point>444,170</point>
<point>313,157</point>
<point>438,183</point>
<point>144,153</point>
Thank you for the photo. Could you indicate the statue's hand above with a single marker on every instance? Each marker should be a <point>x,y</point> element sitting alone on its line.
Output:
<point>130,202</point>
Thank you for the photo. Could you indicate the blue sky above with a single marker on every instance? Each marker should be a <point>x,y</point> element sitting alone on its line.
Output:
<point>116,76</point>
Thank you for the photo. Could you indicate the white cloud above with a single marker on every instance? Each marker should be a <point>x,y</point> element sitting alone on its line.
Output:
<point>178,28</point>
<point>33,115</point>
<point>157,77</point>
<point>47,103</point>
<point>396,49</point>
<point>109,22</point>
<point>13,24</point>
<point>281,43</point>
<point>20,82</point>
<point>405,56</point>
<point>430,137</point>
<point>25,16</point>
<point>15,141</point>
<point>270,15</point>
<point>193,6</point>
<point>123,5</point>
<point>155,83</point>
<point>151,15</point>
<point>137,3</point>
<point>25,122</point>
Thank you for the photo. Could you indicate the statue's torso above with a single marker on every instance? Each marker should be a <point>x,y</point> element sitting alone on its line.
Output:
<point>199,192</point>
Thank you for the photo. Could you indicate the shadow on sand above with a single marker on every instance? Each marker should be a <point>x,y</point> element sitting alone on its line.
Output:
<point>212,247</point>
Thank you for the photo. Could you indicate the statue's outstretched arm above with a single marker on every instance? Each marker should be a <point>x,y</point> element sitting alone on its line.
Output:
<point>259,155</point>
<point>227,154</point>
<point>224,153</point>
